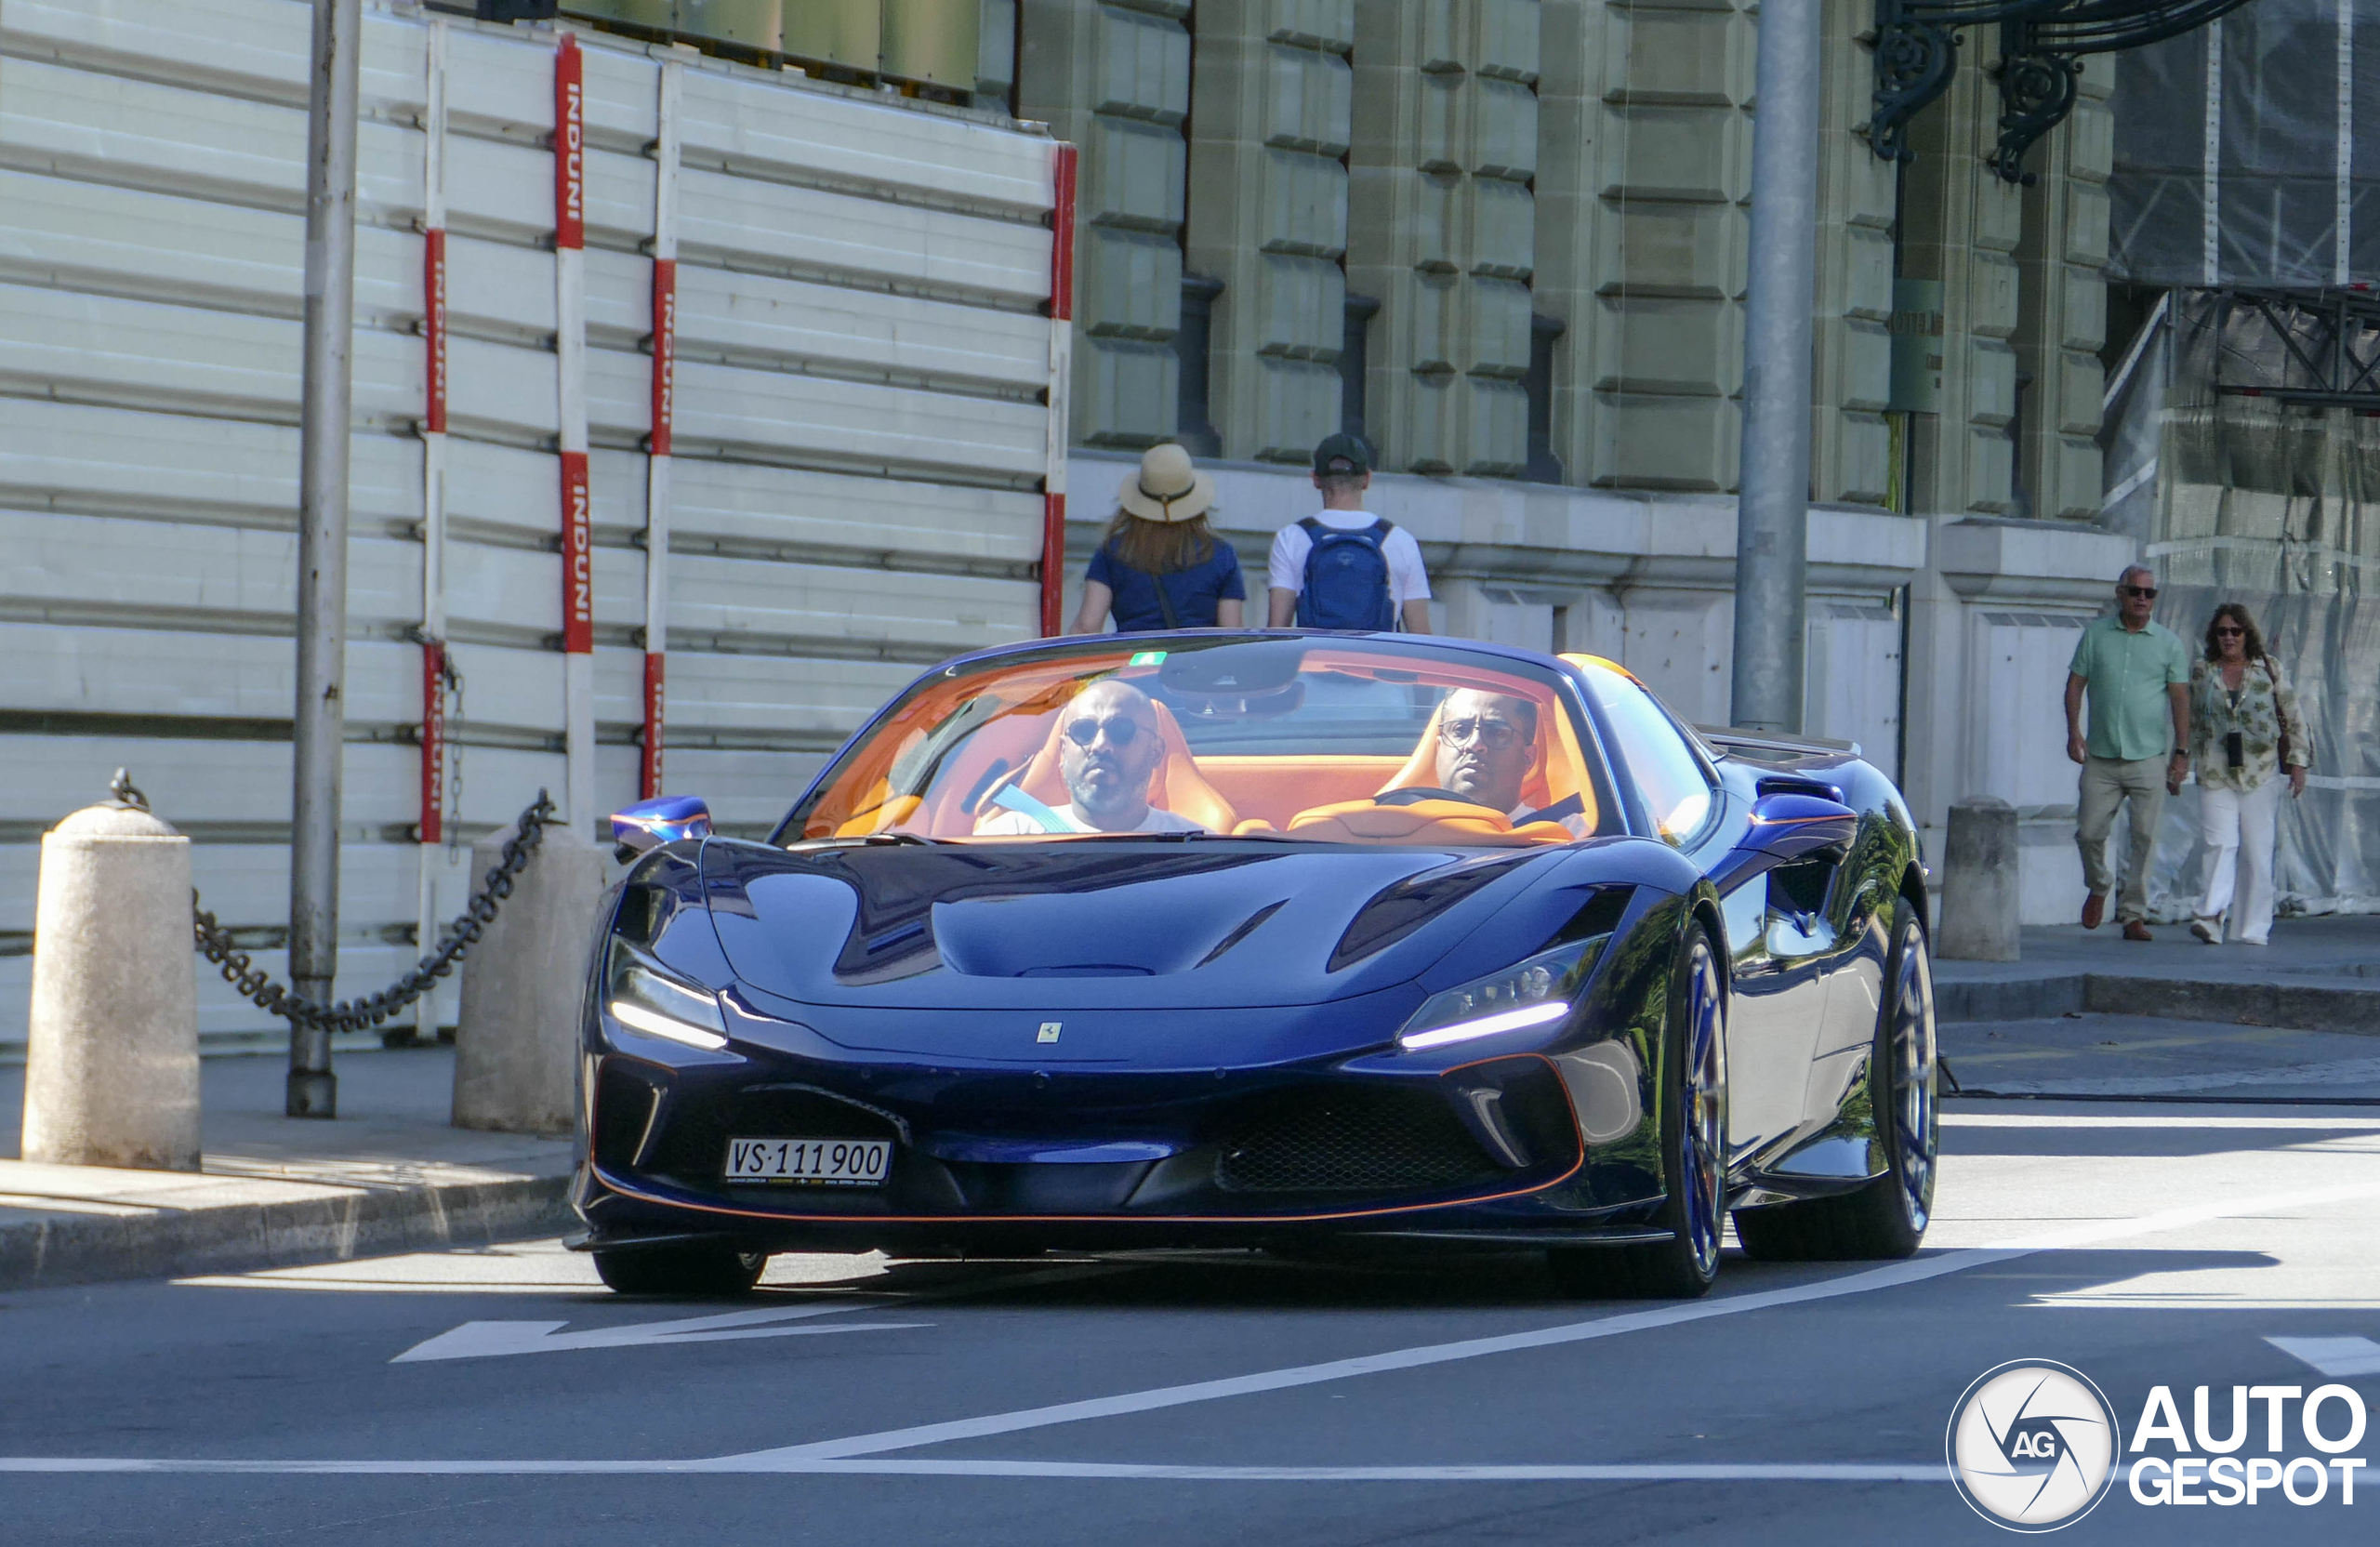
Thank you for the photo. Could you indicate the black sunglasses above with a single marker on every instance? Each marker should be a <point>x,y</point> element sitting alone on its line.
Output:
<point>2150,592</point>
<point>2226,630</point>
<point>1120,731</point>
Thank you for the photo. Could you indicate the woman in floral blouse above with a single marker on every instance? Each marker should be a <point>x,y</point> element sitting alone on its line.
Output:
<point>2245,728</point>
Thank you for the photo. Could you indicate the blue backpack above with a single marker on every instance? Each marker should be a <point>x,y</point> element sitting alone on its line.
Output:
<point>1346,579</point>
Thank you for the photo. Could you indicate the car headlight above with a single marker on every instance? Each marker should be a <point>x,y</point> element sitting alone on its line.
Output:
<point>645,995</point>
<point>1537,992</point>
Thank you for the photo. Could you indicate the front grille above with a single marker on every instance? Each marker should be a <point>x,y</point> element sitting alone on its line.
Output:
<point>693,1144</point>
<point>1355,1142</point>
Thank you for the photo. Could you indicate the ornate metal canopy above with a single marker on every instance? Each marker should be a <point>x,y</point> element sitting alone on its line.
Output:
<point>2042,45</point>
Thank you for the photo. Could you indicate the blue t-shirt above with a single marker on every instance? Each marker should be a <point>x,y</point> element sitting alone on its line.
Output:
<point>1194,592</point>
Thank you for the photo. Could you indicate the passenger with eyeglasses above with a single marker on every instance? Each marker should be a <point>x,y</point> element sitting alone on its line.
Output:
<point>1109,749</point>
<point>2136,673</point>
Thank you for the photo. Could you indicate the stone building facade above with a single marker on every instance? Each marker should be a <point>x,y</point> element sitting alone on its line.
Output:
<point>1507,240</point>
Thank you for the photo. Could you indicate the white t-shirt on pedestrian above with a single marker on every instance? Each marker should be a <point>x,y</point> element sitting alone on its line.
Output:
<point>1407,580</point>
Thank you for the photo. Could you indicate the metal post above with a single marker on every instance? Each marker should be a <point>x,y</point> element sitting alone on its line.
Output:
<point>1773,506</point>
<point>321,720</point>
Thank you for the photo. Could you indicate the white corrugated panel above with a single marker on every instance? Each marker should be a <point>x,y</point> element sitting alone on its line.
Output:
<point>860,433</point>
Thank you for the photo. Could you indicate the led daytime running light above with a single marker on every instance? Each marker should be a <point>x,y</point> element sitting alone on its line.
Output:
<point>654,1023</point>
<point>1487,1025</point>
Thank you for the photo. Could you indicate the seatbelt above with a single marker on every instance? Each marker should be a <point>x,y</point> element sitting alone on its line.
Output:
<point>1013,799</point>
<point>1569,805</point>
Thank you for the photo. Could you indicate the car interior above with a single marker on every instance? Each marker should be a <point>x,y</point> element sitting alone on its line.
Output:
<point>1317,743</point>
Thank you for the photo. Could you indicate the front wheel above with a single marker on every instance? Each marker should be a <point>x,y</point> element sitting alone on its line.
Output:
<point>707,1272</point>
<point>1887,1217</point>
<point>1694,1151</point>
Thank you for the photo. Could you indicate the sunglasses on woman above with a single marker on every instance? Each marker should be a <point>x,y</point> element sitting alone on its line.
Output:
<point>2229,633</point>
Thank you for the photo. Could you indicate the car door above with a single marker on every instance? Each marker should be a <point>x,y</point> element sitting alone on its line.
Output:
<point>1783,948</point>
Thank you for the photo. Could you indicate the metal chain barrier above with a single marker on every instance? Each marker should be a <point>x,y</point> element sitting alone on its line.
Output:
<point>256,986</point>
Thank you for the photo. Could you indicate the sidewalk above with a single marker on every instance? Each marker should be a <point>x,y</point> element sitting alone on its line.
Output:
<point>2319,974</point>
<point>388,1175</point>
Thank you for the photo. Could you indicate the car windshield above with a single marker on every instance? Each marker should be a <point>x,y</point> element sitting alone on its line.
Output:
<point>1325,740</point>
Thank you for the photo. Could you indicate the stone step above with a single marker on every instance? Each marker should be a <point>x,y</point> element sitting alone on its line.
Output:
<point>2337,1004</point>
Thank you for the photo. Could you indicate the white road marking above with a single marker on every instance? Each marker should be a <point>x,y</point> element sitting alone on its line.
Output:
<point>861,1454</point>
<point>2190,1120</point>
<point>488,1340</point>
<point>1916,1270</point>
<point>1690,1472</point>
<point>2334,1356</point>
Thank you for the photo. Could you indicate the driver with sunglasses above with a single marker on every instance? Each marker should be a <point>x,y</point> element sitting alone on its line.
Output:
<point>1107,749</point>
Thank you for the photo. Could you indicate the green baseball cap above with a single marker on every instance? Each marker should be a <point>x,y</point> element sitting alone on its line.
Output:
<point>1342,453</point>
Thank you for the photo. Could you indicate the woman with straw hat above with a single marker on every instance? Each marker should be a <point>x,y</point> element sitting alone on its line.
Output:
<point>1160,565</point>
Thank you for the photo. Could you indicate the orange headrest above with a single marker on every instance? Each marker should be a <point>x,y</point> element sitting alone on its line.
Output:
<point>1175,785</point>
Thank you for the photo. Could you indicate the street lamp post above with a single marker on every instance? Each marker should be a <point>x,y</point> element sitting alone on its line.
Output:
<point>1773,503</point>
<point>320,717</point>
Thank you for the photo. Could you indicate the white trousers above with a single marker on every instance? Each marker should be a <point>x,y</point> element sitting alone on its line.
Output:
<point>2240,829</point>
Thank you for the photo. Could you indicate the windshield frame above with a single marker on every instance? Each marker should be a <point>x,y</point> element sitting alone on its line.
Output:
<point>1614,795</point>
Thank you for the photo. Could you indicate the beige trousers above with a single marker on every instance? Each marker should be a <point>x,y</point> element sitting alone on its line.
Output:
<point>2107,784</point>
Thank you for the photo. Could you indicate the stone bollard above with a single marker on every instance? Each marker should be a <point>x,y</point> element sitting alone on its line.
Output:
<point>516,1043</point>
<point>1979,883</point>
<point>111,1059</point>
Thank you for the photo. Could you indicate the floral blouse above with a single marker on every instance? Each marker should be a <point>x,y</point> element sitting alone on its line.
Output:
<point>2267,704</point>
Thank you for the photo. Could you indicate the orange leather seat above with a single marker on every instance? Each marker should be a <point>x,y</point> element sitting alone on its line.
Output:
<point>1175,786</point>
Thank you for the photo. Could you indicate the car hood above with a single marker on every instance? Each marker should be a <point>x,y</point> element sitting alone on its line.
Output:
<point>1099,924</point>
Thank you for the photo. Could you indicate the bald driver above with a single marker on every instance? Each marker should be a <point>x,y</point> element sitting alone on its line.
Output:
<point>1487,745</point>
<point>1108,749</point>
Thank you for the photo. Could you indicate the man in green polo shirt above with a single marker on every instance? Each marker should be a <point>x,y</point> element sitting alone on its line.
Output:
<point>2138,672</point>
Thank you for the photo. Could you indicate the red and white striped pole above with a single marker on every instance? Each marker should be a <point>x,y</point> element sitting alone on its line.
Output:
<point>432,828</point>
<point>570,365</point>
<point>657,479</point>
<point>1062,355</point>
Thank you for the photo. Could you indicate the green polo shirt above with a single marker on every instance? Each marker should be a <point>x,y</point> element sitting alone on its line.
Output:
<point>2127,675</point>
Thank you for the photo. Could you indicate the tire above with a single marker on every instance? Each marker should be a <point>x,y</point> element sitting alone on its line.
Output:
<point>1887,1217</point>
<point>1694,1161</point>
<point>707,1272</point>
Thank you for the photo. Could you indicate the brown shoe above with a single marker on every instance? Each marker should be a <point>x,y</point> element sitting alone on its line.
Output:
<point>2135,930</point>
<point>2094,907</point>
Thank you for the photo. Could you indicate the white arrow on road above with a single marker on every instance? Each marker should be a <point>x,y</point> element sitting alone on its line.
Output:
<point>488,1339</point>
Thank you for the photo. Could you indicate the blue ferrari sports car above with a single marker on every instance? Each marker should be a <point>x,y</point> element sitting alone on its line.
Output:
<point>1277,940</point>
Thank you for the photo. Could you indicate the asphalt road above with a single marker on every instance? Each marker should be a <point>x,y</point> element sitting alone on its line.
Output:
<point>1206,1399</point>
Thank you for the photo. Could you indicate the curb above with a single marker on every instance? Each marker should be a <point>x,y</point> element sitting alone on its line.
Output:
<point>2301,1007</point>
<point>241,1238</point>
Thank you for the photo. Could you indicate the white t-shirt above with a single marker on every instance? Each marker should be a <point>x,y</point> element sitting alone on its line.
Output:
<point>1005,823</point>
<point>1407,580</point>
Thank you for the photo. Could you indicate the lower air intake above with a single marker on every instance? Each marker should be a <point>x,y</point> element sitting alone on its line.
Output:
<point>1355,1142</point>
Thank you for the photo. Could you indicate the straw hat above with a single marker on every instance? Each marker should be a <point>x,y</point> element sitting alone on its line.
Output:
<point>1167,487</point>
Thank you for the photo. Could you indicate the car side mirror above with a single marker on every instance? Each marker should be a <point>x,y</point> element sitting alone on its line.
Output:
<point>664,819</point>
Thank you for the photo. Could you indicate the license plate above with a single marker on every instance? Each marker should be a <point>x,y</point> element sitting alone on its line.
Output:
<point>824,1162</point>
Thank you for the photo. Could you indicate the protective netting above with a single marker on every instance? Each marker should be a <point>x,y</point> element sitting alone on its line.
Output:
<point>2298,77</point>
<point>2245,498</point>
